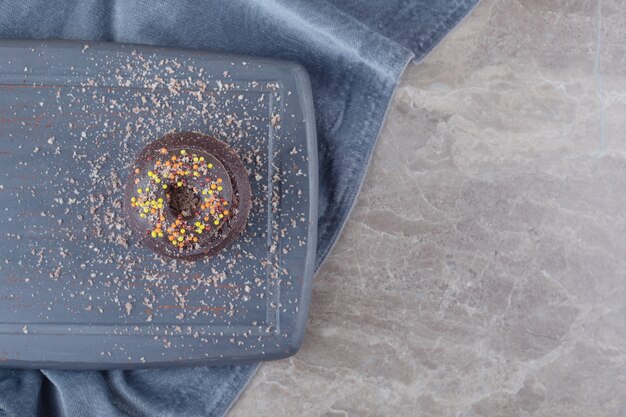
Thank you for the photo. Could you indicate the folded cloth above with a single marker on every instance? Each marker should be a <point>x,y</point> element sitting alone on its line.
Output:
<point>355,52</point>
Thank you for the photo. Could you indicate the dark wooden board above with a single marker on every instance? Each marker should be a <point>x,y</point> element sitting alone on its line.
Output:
<point>78,291</point>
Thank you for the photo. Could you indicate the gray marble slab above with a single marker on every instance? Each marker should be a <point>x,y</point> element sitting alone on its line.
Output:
<point>483,271</point>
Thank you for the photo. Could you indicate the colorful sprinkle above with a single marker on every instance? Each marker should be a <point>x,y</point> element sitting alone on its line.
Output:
<point>186,170</point>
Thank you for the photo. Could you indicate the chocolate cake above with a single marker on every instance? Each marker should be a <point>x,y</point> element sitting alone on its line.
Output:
<point>187,196</point>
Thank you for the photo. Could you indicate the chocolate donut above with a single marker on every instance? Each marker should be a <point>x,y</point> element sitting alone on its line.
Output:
<point>188,195</point>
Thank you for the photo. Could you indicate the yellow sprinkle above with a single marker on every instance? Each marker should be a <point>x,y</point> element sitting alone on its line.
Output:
<point>198,224</point>
<point>201,158</point>
<point>210,165</point>
<point>160,234</point>
<point>211,192</point>
<point>160,200</point>
<point>157,180</point>
<point>204,192</point>
<point>219,188</point>
<point>180,238</point>
<point>164,186</point>
<point>142,215</point>
<point>216,222</point>
<point>195,159</point>
<point>154,234</point>
<point>174,242</point>
<point>179,183</point>
<point>150,173</point>
<point>147,189</point>
<point>196,174</point>
<point>146,209</point>
<point>160,205</point>
<point>133,199</point>
<point>199,231</point>
<point>182,231</point>
<point>225,203</point>
<point>139,190</point>
<point>183,152</point>
<point>221,216</point>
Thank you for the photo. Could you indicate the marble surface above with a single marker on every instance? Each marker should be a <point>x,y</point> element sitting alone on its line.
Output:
<point>483,270</point>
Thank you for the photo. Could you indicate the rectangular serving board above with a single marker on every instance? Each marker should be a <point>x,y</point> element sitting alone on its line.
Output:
<point>78,291</point>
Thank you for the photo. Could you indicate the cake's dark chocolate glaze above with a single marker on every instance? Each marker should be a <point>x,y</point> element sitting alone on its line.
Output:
<point>188,196</point>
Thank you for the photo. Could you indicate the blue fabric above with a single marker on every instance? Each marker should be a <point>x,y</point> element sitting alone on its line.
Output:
<point>355,52</point>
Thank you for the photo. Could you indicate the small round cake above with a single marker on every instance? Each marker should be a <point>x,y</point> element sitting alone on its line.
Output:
<point>188,195</point>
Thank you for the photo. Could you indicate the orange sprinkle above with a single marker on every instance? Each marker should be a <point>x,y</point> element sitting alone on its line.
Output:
<point>219,180</point>
<point>226,212</point>
<point>206,218</point>
<point>137,171</point>
<point>173,157</point>
<point>163,151</point>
